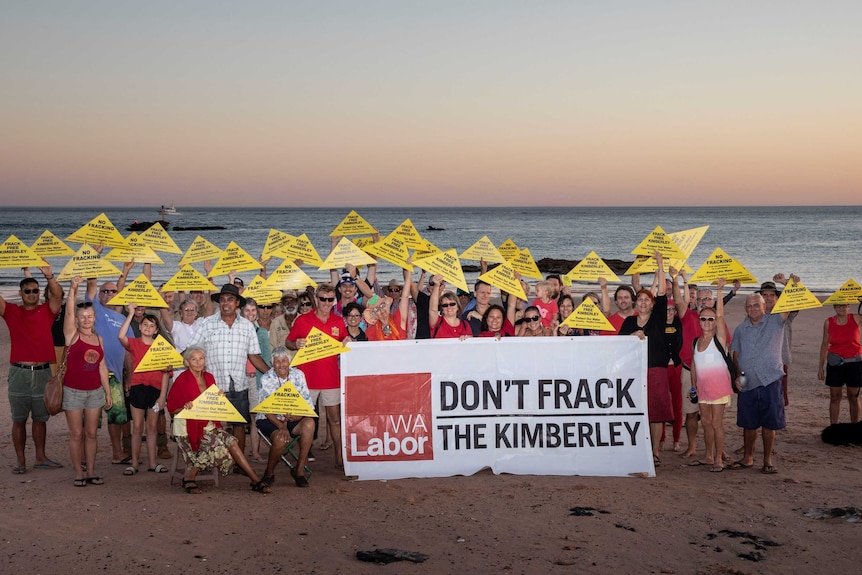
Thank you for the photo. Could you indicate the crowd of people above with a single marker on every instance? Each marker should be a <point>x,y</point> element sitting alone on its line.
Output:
<point>696,363</point>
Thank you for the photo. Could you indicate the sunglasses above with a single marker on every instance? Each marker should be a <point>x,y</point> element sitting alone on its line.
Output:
<point>450,304</point>
<point>305,304</point>
<point>109,291</point>
<point>84,305</point>
<point>354,315</point>
<point>30,291</point>
<point>709,319</point>
<point>533,318</point>
<point>264,307</point>
<point>395,289</point>
<point>326,298</point>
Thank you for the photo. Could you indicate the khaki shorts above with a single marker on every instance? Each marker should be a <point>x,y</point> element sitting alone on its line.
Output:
<point>687,405</point>
<point>327,396</point>
<point>27,393</point>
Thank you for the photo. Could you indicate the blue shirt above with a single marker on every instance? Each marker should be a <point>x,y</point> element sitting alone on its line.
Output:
<point>759,348</point>
<point>108,324</point>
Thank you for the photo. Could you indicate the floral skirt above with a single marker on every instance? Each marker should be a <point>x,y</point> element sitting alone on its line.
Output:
<point>214,450</point>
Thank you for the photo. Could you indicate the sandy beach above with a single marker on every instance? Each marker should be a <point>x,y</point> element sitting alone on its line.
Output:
<point>685,520</point>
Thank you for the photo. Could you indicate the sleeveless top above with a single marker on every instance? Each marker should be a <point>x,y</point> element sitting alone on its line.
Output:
<point>844,339</point>
<point>82,366</point>
<point>444,330</point>
<point>713,379</point>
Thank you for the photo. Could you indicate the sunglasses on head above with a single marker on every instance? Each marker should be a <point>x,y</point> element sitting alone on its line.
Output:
<point>321,298</point>
<point>30,290</point>
<point>450,304</point>
<point>533,318</point>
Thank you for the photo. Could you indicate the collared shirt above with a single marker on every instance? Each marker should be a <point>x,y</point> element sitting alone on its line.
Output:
<point>182,333</point>
<point>759,348</point>
<point>228,348</point>
<point>30,332</point>
<point>108,324</point>
<point>270,382</point>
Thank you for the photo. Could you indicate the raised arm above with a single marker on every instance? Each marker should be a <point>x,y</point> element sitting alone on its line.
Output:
<point>434,303</point>
<point>606,300</point>
<point>404,304</point>
<point>720,327</point>
<point>659,275</point>
<point>124,339</point>
<point>69,327</point>
<point>680,301</point>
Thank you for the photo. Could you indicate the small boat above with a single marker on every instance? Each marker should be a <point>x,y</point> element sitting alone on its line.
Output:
<point>433,229</point>
<point>170,211</point>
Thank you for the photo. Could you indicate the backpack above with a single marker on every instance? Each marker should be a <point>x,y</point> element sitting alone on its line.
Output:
<point>728,361</point>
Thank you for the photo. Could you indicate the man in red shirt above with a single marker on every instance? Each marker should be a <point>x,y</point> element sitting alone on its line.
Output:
<point>31,353</point>
<point>323,375</point>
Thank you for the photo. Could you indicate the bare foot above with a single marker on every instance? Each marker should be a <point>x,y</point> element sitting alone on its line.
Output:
<point>661,445</point>
<point>687,454</point>
<point>677,447</point>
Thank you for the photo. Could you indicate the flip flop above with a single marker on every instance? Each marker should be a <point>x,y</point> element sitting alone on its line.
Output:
<point>717,469</point>
<point>129,470</point>
<point>95,480</point>
<point>81,482</point>
<point>739,465</point>
<point>698,463</point>
<point>158,469</point>
<point>124,461</point>
<point>48,465</point>
<point>768,469</point>
<point>19,470</point>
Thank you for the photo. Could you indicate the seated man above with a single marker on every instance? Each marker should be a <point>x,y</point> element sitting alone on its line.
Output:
<point>280,428</point>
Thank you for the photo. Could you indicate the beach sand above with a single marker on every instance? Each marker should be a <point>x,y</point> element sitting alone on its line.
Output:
<point>685,520</point>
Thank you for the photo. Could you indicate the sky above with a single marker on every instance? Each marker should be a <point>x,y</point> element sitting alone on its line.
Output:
<point>435,103</point>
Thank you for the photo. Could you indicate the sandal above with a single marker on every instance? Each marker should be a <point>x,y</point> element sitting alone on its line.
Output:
<point>158,469</point>
<point>95,480</point>
<point>261,487</point>
<point>191,486</point>
<point>19,470</point>
<point>268,479</point>
<point>81,482</point>
<point>300,480</point>
<point>130,470</point>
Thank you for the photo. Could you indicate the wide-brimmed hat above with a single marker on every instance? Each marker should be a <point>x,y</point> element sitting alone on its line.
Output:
<point>768,286</point>
<point>228,289</point>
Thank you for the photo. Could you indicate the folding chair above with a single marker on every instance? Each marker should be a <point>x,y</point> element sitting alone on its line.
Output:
<point>179,473</point>
<point>292,451</point>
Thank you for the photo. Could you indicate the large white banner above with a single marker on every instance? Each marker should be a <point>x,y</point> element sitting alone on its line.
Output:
<point>532,406</point>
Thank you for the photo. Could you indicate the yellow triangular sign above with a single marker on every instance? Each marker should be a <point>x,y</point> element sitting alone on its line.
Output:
<point>346,252</point>
<point>160,355</point>
<point>285,400</point>
<point>525,265</point>
<point>409,235</point>
<point>87,263</point>
<point>352,225</point>
<point>648,265</point>
<point>200,250</point>
<point>137,250</point>
<point>188,279</point>
<point>687,240</point>
<point>427,249</point>
<point>591,268</point>
<point>721,265</point>
<point>509,249</point>
<point>276,241</point>
<point>484,249</point>
<point>262,294</point>
<point>141,292</point>
<point>16,254</point>
<point>849,293</point>
<point>99,230</point>
<point>211,405</point>
<point>447,265</point>
<point>302,248</point>
<point>503,278</point>
<point>48,245</point>
<point>234,258</point>
<point>362,242</point>
<point>318,345</point>
<point>588,316</point>
<point>157,238</point>
<point>288,276</point>
<point>393,249</point>
<point>795,297</point>
<point>659,240</point>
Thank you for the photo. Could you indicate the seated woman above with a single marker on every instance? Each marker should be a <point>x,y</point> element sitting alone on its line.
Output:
<point>203,444</point>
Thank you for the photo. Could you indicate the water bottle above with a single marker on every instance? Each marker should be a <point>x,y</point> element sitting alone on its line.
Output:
<point>692,395</point>
<point>743,380</point>
<point>156,407</point>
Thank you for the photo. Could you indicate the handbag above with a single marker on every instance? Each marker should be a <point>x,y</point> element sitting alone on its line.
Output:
<point>54,388</point>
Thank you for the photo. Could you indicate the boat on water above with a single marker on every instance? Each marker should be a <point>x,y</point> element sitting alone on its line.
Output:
<point>169,211</point>
<point>434,229</point>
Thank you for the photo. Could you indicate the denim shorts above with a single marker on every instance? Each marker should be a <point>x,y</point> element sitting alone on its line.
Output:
<point>761,407</point>
<point>74,399</point>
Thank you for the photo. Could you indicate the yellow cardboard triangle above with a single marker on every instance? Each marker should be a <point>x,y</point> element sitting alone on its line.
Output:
<point>648,265</point>
<point>525,265</point>
<point>141,292</point>
<point>276,241</point>
<point>447,265</point>
<point>234,258</point>
<point>288,276</point>
<point>318,345</point>
<point>362,242</point>
<point>408,233</point>
<point>302,248</point>
<point>484,249</point>
<point>160,356</point>
<point>99,230</point>
<point>427,249</point>
<point>687,240</point>
<point>346,252</point>
<point>158,238</point>
<point>795,297</point>
<point>509,249</point>
<point>200,250</point>
<point>16,254</point>
<point>849,293</point>
<point>137,250</point>
<point>393,249</point>
<point>591,268</point>
<point>262,294</point>
<point>87,263</point>
<point>588,316</point>
<point>720,264</point>
<point>48,245</point>
<point>503,278</point>
<point>353,224</point>
<point>188,279</point>
<point>212,405</point>
<point>640,262</point>
<point>659,240</point>
<point>285,400</point>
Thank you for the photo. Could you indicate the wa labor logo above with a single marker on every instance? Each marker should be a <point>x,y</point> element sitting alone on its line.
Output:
<point>388,417</point>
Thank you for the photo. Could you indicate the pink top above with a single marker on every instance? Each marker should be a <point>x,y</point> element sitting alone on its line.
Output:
<point>713,379</point>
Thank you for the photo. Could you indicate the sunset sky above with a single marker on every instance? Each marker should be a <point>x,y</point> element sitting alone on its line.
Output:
<point>408,103</point>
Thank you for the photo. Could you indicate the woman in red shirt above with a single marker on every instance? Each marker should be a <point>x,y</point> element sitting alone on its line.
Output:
<point>841,360</point>
<point>444,311</point>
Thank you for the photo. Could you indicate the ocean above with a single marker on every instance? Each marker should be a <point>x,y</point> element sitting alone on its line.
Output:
<point>823,245</point>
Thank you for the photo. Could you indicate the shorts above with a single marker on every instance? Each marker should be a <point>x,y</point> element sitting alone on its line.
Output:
<point>849,374</point>
<point>268,428</point>
<point>761,407</point>
<point>27,393</point>
<point>658,395</point>
<point>239,399</point>
<point>74,399</point>
<point>253,392</point>
<point>328,397</point>
<point>726,400</point>
<point>143,396</point>
<point>687,405</point>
